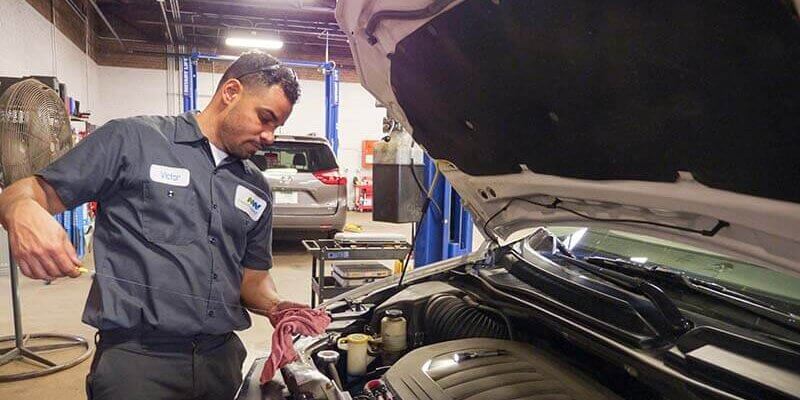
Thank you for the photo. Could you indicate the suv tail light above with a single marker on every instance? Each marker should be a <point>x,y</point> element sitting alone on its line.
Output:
<point>331,177</point>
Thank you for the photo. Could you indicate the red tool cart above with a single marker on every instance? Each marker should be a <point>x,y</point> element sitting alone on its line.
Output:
<point>363,184</point>
<point>363,199</point>
<point>363,195</point>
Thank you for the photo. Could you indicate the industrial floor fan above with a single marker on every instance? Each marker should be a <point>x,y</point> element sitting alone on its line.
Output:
<point>34,131</point>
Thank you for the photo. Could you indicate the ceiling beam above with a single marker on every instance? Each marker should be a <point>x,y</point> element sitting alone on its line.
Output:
<point>311,31</point>
<point>166,21</point>
<point>287,6</point>
<point>108,24</point>
<point>331,25</point>
<point>144,47</point>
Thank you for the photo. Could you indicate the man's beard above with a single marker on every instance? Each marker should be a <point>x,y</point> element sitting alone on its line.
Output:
<point>229,127</point>
<point>238,151</point>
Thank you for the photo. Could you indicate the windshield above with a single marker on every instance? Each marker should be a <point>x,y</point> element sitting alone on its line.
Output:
<point>731,273</point>
<point>304,157</point>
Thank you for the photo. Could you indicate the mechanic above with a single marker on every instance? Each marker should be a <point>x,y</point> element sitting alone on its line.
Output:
<point>182,241</point>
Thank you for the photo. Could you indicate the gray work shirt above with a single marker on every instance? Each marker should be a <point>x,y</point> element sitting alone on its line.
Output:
<point>173,231</point>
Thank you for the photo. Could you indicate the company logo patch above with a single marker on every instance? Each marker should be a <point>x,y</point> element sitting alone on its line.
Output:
<point>169,175</point>
<point>254,205</point>
<point>249,202</point>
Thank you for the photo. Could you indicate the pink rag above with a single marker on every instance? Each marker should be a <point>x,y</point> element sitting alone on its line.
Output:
<point>291,321</point>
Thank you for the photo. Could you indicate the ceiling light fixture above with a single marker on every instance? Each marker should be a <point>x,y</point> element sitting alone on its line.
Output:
<point>253,42</point>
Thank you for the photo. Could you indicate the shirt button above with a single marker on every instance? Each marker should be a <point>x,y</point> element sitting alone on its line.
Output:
<point>214,206</point>
<point>212,240</point>
<point>215,276</point>
<point>211,313</point>
<point>215,172</point>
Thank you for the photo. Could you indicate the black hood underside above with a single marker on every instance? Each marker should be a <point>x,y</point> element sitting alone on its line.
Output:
<point>611,90</point>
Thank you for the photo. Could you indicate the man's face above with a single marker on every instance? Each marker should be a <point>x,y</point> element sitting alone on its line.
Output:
<point>253,118</point>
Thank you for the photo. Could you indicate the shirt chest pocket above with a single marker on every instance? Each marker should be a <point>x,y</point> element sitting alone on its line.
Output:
<point>169,214</point>
<point>238,225</point>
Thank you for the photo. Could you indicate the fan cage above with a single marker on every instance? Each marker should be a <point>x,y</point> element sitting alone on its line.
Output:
<point>34,129</point>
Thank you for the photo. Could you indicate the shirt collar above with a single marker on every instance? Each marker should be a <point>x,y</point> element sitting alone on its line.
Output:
<point>247,168</point>
<point>189,131</point>
<point>217,153</point>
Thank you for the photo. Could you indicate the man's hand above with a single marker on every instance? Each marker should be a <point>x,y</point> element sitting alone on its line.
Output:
<point>283,305</point>
<point>39,244</point>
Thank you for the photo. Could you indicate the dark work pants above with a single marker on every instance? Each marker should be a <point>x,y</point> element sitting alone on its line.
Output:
<point>128,366</point>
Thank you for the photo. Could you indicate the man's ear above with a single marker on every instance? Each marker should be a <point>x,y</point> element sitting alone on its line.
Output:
<point>231,91</point>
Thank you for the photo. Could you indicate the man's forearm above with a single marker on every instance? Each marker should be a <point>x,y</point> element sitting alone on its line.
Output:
<point>258,292</point>
<point>29,189</point>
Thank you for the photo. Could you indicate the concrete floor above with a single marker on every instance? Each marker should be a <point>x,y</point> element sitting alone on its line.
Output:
<point>58,307</point>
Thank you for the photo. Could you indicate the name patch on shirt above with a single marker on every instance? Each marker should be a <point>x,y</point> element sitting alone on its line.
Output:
<point>169,175</point>
<point>249,202</point>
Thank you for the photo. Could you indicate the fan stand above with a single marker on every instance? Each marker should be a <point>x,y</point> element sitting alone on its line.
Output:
<point>30,354</point>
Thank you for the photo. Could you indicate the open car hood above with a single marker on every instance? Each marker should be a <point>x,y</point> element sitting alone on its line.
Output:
<point>678,119</point>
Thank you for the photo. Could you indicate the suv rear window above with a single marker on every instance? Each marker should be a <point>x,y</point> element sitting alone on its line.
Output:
<point>304,157</point>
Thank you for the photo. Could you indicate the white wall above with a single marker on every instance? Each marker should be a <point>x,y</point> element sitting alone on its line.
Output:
<point>30,45</point>
<point>359,120</point>
<point>127,92</point>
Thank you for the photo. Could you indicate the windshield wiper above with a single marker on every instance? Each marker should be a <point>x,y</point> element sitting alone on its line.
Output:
<point>672,323</point>
<point>712,289</point>
<point>677,324</point>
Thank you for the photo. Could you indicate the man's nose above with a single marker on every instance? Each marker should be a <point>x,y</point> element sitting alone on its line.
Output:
<point>267,137</point>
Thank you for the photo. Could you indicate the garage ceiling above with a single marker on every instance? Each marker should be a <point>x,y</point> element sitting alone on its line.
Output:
<point>305,26</point>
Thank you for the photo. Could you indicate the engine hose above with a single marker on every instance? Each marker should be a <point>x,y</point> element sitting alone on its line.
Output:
<point>495,311</point>
<point>449,317</point>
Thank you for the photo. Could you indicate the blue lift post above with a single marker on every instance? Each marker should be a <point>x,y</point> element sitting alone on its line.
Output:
<point>189,83</point>
<point>443,234</point>
<point>189,88</point>
<point>332,104</point>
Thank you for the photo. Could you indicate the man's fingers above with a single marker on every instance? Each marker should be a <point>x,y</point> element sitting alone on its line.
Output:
<point>71,253</point>
<point>23,267</point>
<point>37,271</point>
<point>49,265</point>
<point>283,305</point>
<point>68,260</point>
<point>66,265</point>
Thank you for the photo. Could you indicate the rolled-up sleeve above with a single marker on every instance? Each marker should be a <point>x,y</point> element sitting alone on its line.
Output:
<point>93,169</point>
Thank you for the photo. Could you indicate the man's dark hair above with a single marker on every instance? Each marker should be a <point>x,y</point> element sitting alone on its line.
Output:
<point>257,68</point>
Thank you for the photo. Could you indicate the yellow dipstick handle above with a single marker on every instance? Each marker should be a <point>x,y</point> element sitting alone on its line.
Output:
<point>82,270</point>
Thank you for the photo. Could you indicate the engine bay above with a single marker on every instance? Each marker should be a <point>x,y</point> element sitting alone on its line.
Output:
<point>500,328</point>
<point>455,346</point>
